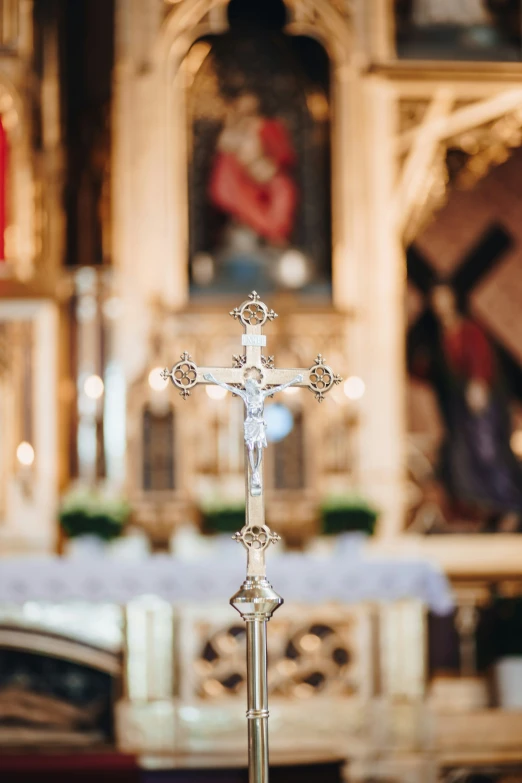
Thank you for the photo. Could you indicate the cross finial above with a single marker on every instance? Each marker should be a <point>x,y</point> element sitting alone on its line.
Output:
<point>253,312</point>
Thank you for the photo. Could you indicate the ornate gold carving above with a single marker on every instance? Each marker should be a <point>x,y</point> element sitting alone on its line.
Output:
<point>266,361</point>
<point>484,147</point>
<point>460,160</point>
<point>412,113</point>
<point>309,656</point>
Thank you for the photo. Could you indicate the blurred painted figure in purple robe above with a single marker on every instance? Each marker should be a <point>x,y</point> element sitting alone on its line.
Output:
<point>478,467</point>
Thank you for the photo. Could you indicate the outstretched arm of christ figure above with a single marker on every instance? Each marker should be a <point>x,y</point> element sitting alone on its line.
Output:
<point>270,392</point>
<point>209,377</point>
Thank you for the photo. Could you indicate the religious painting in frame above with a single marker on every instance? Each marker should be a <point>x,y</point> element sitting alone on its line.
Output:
<point>465,360</point>
<point>473,30</point>
<point>259,163</point>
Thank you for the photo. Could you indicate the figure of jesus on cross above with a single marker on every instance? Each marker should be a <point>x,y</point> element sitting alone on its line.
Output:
<point>253,378</point>
<point>255,426</point>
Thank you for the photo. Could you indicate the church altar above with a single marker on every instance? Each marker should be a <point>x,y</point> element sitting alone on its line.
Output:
<point>347,575</point>
<point>346,653</point>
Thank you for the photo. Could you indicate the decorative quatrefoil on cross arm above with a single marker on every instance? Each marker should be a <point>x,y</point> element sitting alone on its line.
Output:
<point>183,375</point>
<point>322,378</point>
<point>253,312</point>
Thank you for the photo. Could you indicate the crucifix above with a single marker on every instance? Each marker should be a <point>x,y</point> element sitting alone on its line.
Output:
<point>253,377</point>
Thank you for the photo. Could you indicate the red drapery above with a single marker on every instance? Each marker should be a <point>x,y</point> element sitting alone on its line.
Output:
<point>267,207</point>
<point>3,189</point>
<point>469,353</point>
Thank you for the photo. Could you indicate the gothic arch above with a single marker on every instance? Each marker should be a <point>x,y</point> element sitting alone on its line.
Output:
<point>317,18</point>
<point>186,23</point>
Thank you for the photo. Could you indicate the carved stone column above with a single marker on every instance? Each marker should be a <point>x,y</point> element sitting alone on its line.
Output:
<point>382,272</point>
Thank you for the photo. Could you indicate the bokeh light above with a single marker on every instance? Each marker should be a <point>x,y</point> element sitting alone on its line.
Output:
<point>156,382</point>
<point>25,453</point>
<point>354,387</point>
<point>93,387</point>
<point>216,392</point>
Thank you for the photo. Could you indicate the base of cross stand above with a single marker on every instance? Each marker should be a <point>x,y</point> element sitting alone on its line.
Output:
<point>256,599</point>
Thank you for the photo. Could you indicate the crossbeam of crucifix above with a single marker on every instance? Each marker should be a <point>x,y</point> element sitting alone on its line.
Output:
<point>253,378</point>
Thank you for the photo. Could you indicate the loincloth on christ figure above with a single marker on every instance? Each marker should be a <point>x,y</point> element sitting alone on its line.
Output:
<point>255,432</point>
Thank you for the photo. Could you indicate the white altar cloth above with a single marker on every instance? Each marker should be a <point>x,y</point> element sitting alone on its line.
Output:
<point>345,575</point>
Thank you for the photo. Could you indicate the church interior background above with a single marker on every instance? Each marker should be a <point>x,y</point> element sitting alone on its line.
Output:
<point>358,163</point>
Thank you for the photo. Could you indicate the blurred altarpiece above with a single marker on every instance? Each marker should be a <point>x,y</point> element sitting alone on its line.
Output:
<point>389,172</point>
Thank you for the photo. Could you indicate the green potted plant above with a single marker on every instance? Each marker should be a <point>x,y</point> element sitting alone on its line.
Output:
<point>348,514</point>
<point>90,516</point>
<point>223,517</point>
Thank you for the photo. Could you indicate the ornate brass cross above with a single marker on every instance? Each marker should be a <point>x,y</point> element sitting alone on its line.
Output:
<point>253,377</point>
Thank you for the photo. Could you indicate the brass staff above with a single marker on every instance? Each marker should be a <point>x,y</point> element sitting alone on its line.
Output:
<point>253,378</point>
